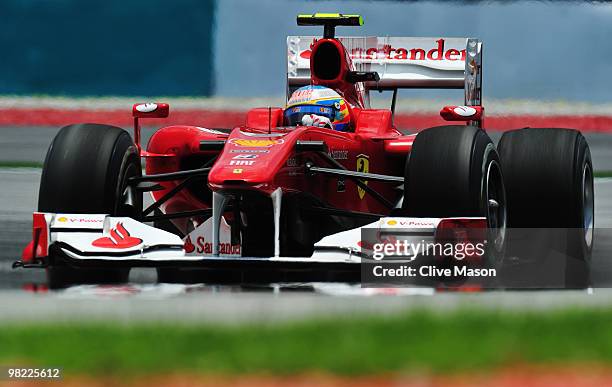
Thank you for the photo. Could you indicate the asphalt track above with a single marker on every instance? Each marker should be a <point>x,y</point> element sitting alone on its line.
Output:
<point>143,300</point>
<point>18,198</point>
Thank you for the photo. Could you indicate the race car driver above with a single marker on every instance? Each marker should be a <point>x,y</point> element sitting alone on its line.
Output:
<point>317,106</point>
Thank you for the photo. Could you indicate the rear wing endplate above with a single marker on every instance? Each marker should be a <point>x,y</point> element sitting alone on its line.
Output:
<point>401,62</point>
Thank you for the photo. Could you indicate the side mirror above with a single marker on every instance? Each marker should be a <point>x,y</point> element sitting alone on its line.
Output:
<point>147,110</point>
<point>150,110</point>
<point>462,113</point>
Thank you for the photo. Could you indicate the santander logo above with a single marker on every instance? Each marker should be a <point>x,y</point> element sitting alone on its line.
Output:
<point>388,52</point>
<point>119,238</point>
<point>189,246</point>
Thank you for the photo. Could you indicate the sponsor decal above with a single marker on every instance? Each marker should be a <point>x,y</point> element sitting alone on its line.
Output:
<point>409,223</point>
<point>388,52</point>
<point>464,111</point>
<point>249,151</point>
<point>338,154</point>
<point>237,170</point>
<point>199,241</point>
<point>64,219</point>
<point>255,143</point>
<point>242,162</point>
<point>146,107</point>
<point>188,246</point>
<point>300,96</point>
<point>202,246</point>
<point>119,238</point>
<point>363,165</point>
<point>341,185</point>
<point>245,157</point>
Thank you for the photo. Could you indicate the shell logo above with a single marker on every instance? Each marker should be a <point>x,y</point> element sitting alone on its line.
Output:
<point>62,219</point>
<point>392,222</point>
<point>242,142</point>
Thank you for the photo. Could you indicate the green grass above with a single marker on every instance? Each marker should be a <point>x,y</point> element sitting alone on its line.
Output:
<point>445,342</point>
<point>602,173</point>
<point>20,164</point>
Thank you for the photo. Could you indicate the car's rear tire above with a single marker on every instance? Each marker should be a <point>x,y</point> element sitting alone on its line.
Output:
<point>455,171</point>
<point>548,175</point>
<point>86,171</point>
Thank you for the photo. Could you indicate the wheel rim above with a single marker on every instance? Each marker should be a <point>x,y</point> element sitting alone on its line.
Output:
<point>588,203</point>
<point>496,204</point>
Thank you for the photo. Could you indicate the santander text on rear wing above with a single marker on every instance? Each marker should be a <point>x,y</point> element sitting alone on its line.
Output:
<point>401,62</point>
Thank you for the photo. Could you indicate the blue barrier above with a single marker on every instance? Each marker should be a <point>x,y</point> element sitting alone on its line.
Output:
<point>135,47</point>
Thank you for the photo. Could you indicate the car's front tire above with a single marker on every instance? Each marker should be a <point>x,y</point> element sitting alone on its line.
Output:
<point>86,171</point>
<point>454,171</point>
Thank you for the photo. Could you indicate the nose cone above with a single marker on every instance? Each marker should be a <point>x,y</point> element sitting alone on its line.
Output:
<point>251,160</point>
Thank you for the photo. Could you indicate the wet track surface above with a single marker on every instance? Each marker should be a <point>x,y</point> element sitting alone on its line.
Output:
<point>19,198</point>
<point>142,299</point>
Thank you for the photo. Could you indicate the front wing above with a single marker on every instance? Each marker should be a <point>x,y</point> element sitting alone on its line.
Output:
<point>103,240</point>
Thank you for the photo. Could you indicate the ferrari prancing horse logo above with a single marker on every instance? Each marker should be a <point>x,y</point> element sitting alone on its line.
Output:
<point>363,165</point>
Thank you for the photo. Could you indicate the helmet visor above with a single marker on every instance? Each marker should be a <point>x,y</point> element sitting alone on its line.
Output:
<point>293,115</point>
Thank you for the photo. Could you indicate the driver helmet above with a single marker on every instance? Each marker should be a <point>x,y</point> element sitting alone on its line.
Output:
<point>317,106</point>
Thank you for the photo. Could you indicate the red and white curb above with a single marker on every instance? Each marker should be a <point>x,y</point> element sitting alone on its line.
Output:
<point>228,112</point>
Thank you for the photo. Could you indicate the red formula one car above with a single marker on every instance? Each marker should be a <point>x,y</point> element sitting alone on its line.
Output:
<point>294,186</point>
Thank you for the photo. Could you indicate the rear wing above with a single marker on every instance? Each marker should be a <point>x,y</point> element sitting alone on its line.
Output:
<point>401,62</point>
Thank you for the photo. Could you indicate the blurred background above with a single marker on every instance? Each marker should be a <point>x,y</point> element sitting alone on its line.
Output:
<point>546,64</point>
<point>234,48</point>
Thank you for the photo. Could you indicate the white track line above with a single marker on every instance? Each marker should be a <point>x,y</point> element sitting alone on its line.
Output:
<point>21,171</point>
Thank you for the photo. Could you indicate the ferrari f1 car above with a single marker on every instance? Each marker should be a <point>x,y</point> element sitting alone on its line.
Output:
<point>277,192</point>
